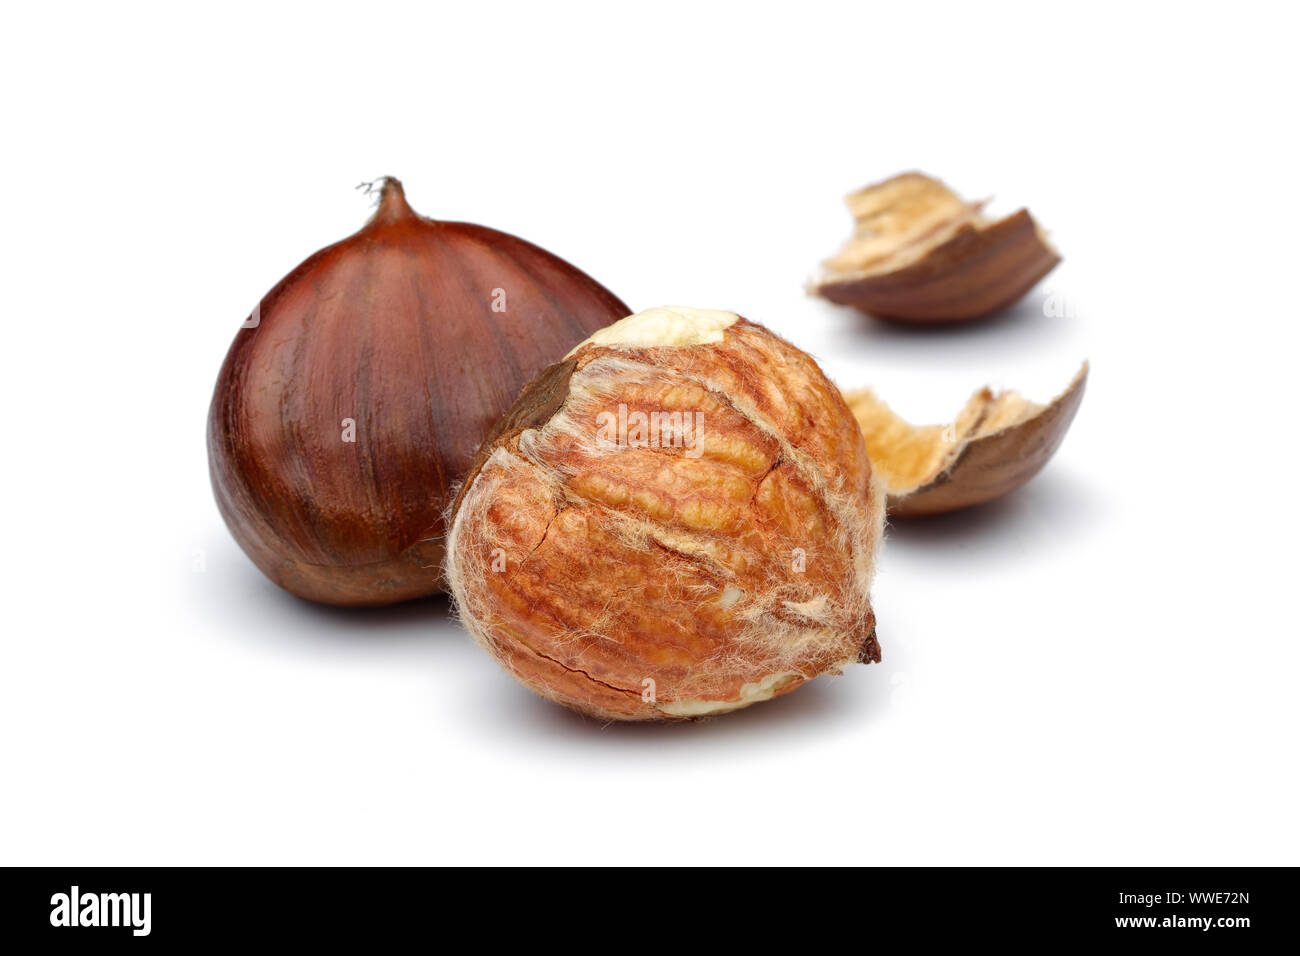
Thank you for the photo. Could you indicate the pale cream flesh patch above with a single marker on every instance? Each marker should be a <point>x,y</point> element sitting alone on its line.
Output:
<point>898,222</point>
<point>666,326</point>
<point>754,693</point>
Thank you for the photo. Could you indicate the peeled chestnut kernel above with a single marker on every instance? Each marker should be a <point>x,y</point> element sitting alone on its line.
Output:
<point>996,444</point>
<point>356,395</point>
<point>679,519</point>
<point>921,253</point>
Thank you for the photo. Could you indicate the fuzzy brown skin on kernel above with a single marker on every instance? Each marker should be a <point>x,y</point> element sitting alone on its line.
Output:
<point>641,563</point>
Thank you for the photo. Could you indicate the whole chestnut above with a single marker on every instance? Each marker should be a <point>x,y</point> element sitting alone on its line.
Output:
<point>354,398</point>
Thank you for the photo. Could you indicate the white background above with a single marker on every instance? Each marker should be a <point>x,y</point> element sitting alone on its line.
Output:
<point>1101,669</point>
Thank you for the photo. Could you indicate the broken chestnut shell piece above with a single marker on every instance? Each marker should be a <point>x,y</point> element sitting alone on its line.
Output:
<point>922,254</point>
<point>996,444</point>
<point>355,397</point>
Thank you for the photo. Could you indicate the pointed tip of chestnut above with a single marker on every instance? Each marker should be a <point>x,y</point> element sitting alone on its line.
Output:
<point>392,203</point>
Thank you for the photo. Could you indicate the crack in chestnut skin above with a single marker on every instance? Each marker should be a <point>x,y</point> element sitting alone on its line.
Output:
<point>393,328</point>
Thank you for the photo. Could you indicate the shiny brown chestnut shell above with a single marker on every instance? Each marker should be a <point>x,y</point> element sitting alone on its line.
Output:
<point>354,399</point>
